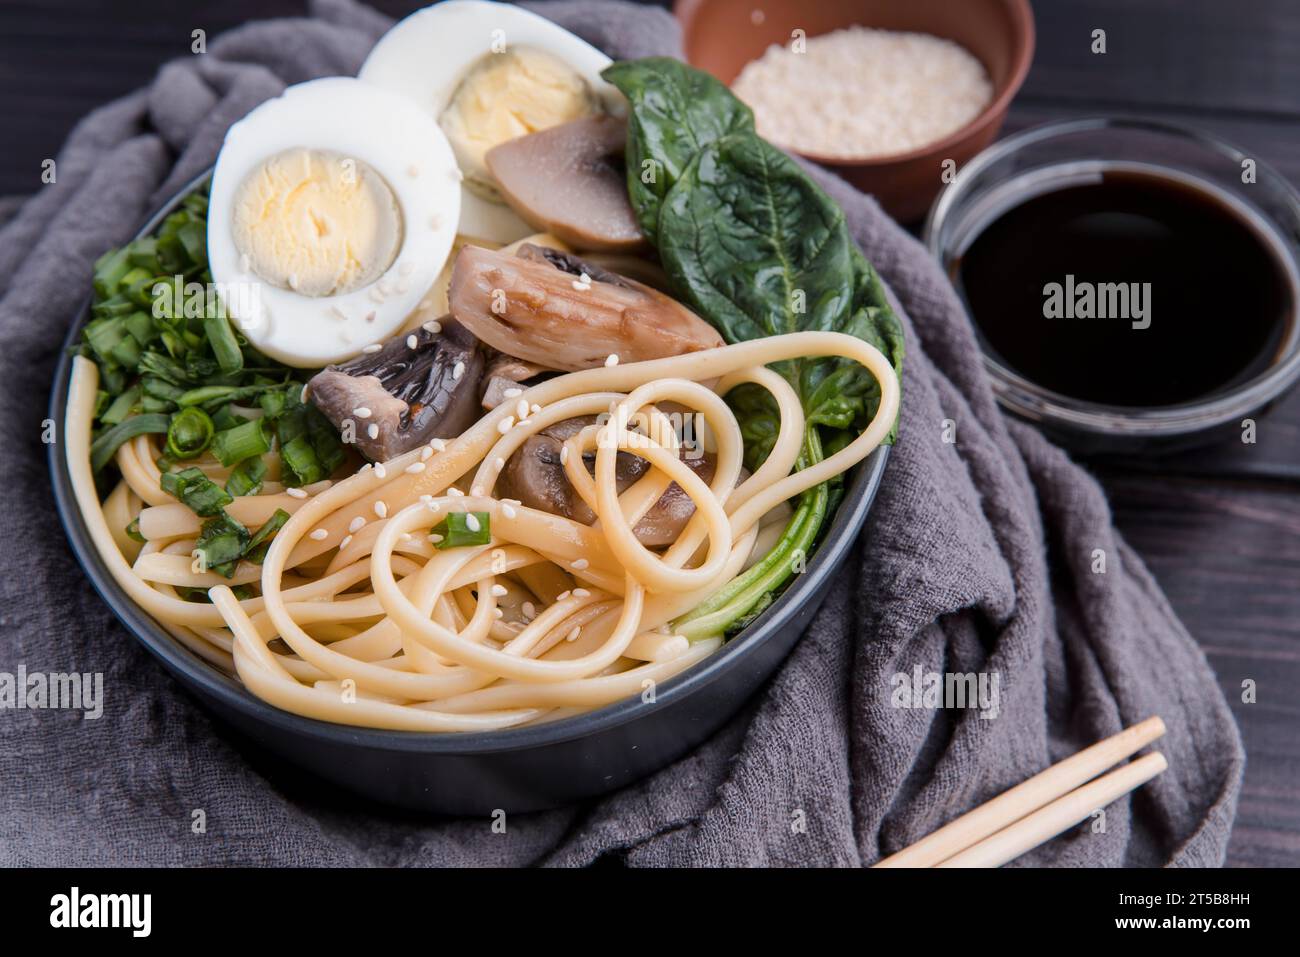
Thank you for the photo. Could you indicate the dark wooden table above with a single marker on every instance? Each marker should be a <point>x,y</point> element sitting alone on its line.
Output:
<point>1220,528</point>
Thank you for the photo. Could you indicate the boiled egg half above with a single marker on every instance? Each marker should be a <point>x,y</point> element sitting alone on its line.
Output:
<point>490,72</point>
<point>333,210</point>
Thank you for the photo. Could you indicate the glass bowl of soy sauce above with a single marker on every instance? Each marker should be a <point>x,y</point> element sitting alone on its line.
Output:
<point>1133,285</point>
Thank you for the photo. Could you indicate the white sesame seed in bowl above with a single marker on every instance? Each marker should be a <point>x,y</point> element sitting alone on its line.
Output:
<point>860,140</point>
<point>859,93</point>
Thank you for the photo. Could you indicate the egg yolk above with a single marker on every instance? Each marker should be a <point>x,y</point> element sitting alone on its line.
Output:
<point>316,222</point>
<point>504,95</point>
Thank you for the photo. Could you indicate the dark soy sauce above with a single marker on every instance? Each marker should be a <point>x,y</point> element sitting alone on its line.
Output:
<point>1221,299</point>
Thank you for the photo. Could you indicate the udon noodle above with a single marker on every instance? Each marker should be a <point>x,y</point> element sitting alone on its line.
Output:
<point>362,620</point>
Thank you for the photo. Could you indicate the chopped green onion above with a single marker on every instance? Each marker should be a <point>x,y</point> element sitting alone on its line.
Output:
<point>194,238</point>
<point>243,441</point>
<point>200,493</point>
<point>273,403</point>
<point>163,367</point>
<point>190,432</point>
<point>121,407</point>
<point>225,418</point>
<point>133,531</point>
<point>109,270</point>
<point>464,528</point>
<point>105,447</point>
<point>219,394</point>
<point>141,328</point>
<point>257,547</point>
<point>221,544</point>
<point>247,477</point>
<point>224,346</point>
<point>300,464</point>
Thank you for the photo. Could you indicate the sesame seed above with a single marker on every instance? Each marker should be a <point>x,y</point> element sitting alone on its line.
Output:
<point>382,511</point>
<point>426,453</point>
<point>536,408</point>
<point>562,595</point>
<point>433,326</point>
<point>498,613</point>
<point>361,412</point>
<point>380,470</point>
<point>357,524</point>
<point>458,370</point>
<point>415,468</point>
<point>564,454</point>
<point>500,591</point>
<point>581,593</point>
<point>472,522</point>
<point>435,537</point>
<point>455,492</point>
<point>506,424</point>
<point>521,409</point>
<point>508,511</point>
<point>611,360</point>
<point>295,493</point>
<point>347,540</point>
<point>372,430</point>
<point>573,635</point>
<point>319,535</point>
<point>338,313</point>
<point>529,610</point>
<point>511,501</point>
<point>372,348</point>
<point>476,490</point>
<point>498,463</point>
<point>438,445</point>
<point>580,565</point>
<point>411,341</point>
<point>302,396</point>
<point>512,393</point>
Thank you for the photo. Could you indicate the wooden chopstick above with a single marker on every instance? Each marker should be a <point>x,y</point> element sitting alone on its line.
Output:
<point>1062,814</point>
<point>1025,798</point>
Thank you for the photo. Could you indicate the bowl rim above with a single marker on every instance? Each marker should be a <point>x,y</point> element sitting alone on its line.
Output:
<point>1030,400</point>
<point>1021,12</point>
<point>195,673</point>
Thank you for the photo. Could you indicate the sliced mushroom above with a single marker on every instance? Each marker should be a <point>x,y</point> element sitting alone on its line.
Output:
<point>552,308</point>
<point>400,396</point>
<point>535,476</point>
<point>506,372</point>
<point>570,181</point>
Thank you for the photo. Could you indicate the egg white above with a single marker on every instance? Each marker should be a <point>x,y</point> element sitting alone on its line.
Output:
<point>426,55</point>
<point>401,143</point>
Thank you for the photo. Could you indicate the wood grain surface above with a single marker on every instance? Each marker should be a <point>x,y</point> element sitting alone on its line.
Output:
<point>1219,527</point>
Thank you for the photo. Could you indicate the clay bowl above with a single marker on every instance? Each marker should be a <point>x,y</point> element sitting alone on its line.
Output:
<point>721,36</point>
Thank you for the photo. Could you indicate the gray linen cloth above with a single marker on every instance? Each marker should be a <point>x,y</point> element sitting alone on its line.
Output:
<point>978,557</point>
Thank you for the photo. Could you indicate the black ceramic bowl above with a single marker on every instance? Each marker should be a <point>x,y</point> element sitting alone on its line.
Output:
<point>518,769</point>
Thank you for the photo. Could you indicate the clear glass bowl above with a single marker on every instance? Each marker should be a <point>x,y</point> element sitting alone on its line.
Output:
<point>1040,158</point>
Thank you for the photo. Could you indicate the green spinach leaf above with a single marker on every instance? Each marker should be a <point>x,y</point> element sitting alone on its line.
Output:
<point>760,250</point>
<point>675,111</point>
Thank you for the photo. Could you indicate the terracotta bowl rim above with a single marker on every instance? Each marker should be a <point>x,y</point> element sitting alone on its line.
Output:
<point>1022,13</point>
